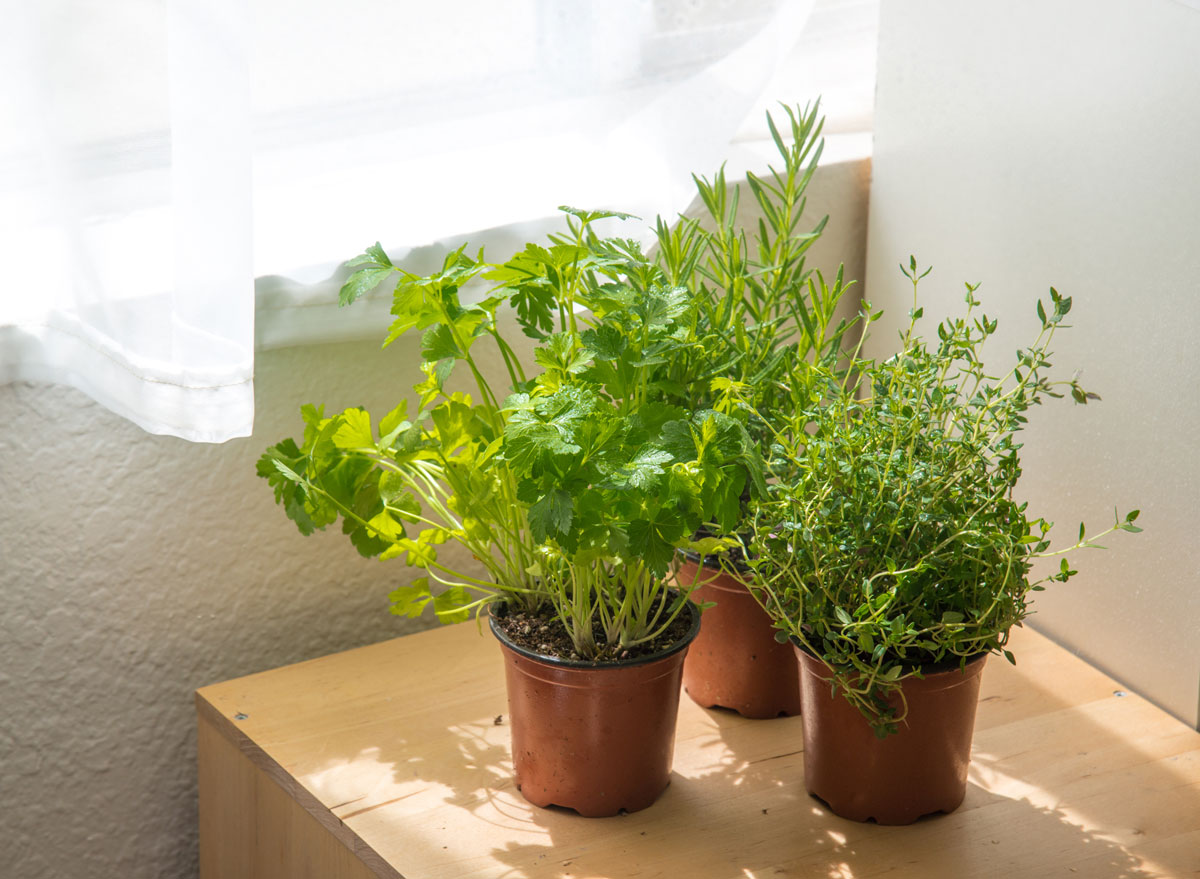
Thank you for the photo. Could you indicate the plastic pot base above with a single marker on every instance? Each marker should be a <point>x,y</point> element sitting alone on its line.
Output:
<point>596,739</point>
<point>735,662</point>
<point>917,771</point>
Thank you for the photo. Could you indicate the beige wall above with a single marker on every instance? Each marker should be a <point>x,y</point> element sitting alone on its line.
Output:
<point>134,568</point>
<point>1028,144</point>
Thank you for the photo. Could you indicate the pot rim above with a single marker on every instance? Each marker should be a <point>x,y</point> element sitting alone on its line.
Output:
<point>559,662</point>
<point>713,579</point>
<point>925,671</point>
<point>695,558</point>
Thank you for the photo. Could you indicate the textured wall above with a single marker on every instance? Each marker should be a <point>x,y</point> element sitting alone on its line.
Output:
<point>1028,144</point>
<point>134,568</point>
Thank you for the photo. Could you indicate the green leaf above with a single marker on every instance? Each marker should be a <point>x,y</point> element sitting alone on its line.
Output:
<point>455,422</point>
<point>287,471</point>
<point>418,553</point>
<point>712,545</point>
<point>436,374</point>
<point>362,282</point>
<point>368,543</point>
<point>410,600</point>
<point>377,253</point>
<point>354,430</point>
<point>397,496</point>
<point>551,515</point>
<point>727,509</point>
<point>449,605</point>
<point>661,306</point>
<point>679,440</point>
<point>652,418</point>
<point>533,436</point>
<point>559,351</point>
<point>606,342</point>
<point>643,469</point>
<point>438,344</point>
<point>952,616</point>
<point>411,310</point>
<point>653,543</point>
<point>280,465</point>
<point>590,216</point>
<point>385,527</point>
<point>394,421</point>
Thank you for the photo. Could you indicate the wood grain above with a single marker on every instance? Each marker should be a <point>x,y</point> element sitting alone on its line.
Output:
<point>392,760</point>
<point>253,827</point>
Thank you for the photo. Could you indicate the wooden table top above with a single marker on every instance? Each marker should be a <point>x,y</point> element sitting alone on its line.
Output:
<point>401,749</point>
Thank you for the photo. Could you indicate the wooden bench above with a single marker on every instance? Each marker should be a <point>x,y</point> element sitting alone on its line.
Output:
<point>393,761</point>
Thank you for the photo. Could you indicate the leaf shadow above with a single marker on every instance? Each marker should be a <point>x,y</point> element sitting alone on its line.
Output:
<point>441,789</point>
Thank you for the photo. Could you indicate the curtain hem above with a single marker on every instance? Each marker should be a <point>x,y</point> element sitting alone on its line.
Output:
<point>213,408</point>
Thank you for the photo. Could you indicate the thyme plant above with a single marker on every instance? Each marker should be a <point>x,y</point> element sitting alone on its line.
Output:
<point>897,543</point>
<point>570,480</point>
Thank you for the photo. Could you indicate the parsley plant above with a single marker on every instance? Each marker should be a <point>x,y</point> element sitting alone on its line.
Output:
<point>574,485</point>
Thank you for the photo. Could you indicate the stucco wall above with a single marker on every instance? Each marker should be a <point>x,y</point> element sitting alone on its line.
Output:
<point>134,568</point>
<point>1029,144</point>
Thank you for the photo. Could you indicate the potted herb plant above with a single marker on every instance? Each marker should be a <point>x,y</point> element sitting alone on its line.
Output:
<point>569,482</point>
<point>759,309</point>
<point>896,555</point>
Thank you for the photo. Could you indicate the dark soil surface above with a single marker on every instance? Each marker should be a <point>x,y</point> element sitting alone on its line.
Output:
<point>542,632</point>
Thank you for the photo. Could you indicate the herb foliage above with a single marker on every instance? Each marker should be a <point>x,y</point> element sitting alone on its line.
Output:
<point>895,541</point>
<point>759,307</point>
<point>574,485</point>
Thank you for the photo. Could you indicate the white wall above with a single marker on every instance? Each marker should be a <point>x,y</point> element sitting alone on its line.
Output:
<point>1029,143</point>
<point>135,568</point>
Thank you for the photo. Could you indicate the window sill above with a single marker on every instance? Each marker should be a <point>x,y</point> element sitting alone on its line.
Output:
<point>302,309</point>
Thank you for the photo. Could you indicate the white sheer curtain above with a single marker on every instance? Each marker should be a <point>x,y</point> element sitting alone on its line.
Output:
<point>155,157</point>
<point>476,119</point>
<point>125,208</point>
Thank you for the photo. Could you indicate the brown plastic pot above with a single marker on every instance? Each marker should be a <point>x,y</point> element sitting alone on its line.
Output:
<point>735,661</point>
<point>916,771</point>
<point>594,737</point>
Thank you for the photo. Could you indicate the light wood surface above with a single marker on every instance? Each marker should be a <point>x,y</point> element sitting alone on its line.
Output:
<point>393,760</point>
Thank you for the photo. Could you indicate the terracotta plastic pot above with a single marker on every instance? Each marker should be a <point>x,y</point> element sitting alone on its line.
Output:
<point>916,771</point>
<point>596,738</point>
<point>735,661</point>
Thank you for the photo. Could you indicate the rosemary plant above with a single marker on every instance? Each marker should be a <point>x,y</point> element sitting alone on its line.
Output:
<point>759,306</point>
<point>897,543</point>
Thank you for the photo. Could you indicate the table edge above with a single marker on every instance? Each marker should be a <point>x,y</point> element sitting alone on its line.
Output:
<point>206,712</point>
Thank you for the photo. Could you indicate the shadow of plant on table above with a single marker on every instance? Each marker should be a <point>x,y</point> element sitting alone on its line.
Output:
<point>430,785</point>
<point>750,816</point>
